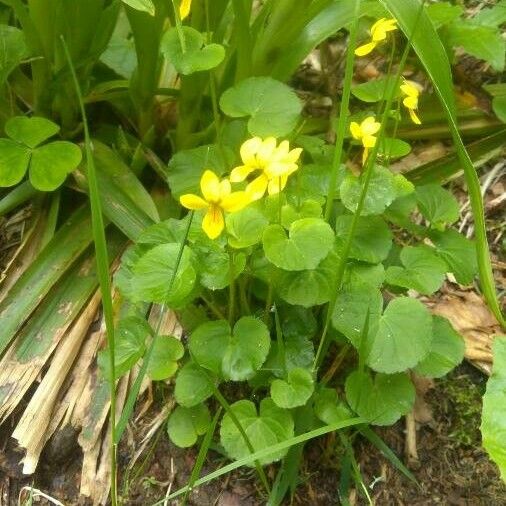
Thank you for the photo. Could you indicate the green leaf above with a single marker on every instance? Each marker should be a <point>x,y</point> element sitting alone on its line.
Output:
<point>374,90</point>
<point>265,429</point>
<point>442,13</point>
<point>329,408</point>
<point>423,270</point>
<point>446,350</point>
<point>437,205</point>
<point>13,50</point>
<point>245,227</point>
<point>141,5</point>
<point>309,241</point>
<point>154,271</point>
<point>372,240</point>
<point>364,274</point>
<point>120,56</point>
<point>193,385</point>
<point>234,355</point>
<point>196,55</point>
<point>499,107</point>
<point>381,401</point>
<point>295,391</point>
<point>458,252</point>
<point>14,160</point>
<point>185,425</point>
<point>403,338</point>
<point>382,191</point>
<point>51,163</point>
<point>273,107</point>
<point>392,149</point>
<point>30,131</point>
<point>493,16</point>
<point>493,419</point>
<point>308,209</point>
<point>167,350</point>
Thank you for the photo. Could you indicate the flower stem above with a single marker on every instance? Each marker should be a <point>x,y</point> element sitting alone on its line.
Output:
<point>231,288</point>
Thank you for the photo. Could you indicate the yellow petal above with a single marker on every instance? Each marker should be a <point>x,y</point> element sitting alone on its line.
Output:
<point>365,48</point>
<point>225,188</point>
<point>277,184</point>
<point>210,186</point>
<point>241,173</point>
<point>369,126</point>
<point>267,150</point>
<point>411,102</point>
<point>249,150</point>
<point>414,118</point>
<point>293,155</point>
<point>193,202</point>
<point>409,89</point>
<point>184,8</point>
<point>380,28</point>
<point>235,201</point>
<point>256,189</point>
<point>355,130</point>
<point>213,222</point>
<point>368,141</point>
<point>278,169</point>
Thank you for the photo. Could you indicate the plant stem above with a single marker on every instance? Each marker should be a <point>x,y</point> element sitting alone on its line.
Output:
<point>279,340</point>
<point>179,27</point>
<point>343,112</point>
<point>231,288</point>
<point>102,260</point>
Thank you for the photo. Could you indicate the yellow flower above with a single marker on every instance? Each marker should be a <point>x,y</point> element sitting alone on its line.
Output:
<point>378,33</point>
<point>184,8</point>
<point>275,162</point>
<point>365,133</point>
<point>218,198</point>
<point>412,92</point>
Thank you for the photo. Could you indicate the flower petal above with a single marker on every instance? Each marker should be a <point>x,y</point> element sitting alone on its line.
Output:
<point>235,201</point>
<point>368,141</point>
<point>414,117</point>
<point>369,126</point>
<point>278,169</point>
<point>210,186</point>
<point>277,184</point>
<point>411,102</point>
<point>293,155</point>
<point>266,151</point>
<point>193,202</point>
<point>184,8</point>
<point>240,173</point>
<point>225,188</point>
<point>256,189</point>
<point>355,130</point>
<point>365,48</point>
<point>249,150</point>
<point>213,222</point>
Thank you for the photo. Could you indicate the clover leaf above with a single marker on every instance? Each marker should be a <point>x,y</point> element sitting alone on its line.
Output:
<point>273,107</point>
<point>185,425</point>
<point>236,354</point>
<point>309,241</point>
<point>271,426</point>
<point>295,390</point>
<point>167,350</point>
<point>48,165</point>
<point>193,385</point>
<point>195,56</point>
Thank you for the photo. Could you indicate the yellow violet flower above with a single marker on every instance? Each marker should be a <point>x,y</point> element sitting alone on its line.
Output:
<point>365,133</point>
<point>218,198</point>
<point>412,92</point>
<point>275,163</point>
<point>184,8</point>
<point>378,34</point>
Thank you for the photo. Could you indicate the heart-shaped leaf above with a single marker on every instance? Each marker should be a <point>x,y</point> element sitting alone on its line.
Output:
<point>234,355</point>
<point>14,160</point>
<point>245,227</point>
<point>403,338</point>
<point>153,273</point>
<point>273,107</point>
<point>141,5</point>
<point>271,426</point>
<point>329,408</point>
<point>30,131</point>
<point>193,385</point>
<point>196,55</point>
<point>185,425</point>
<point>382,401</point>
<point>308,243</point>
<point>51,163</point>
<point>307,209</point>
<point>167,350</point>
<point>446,350</point>
<point>437,205</point>
<point>423,270</point>
<point>295,391</point>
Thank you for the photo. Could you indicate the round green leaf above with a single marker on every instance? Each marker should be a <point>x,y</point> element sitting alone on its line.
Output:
<point>404,336</point>
<point>375,90</point>
<point>295,391</point>
<point>372,240</point>
<point>236,356</point>
<point>446,350</point>
<point>437,205</point>
<point>245,227</point>
<point>167,350</point>
<point>51,163</point>
<point>30,131</point>
<point>392,149</point>
<point>309,242</point>
<point>196,56</point>
<point>329,408</point>
<point>154,271</point>
<point>185,425</point>
<point>364,274</point>
<point>273,107</point>
<point>271,426</point>
<point>14,160</point>
<point>382,401</point>
<point>193,385</point>
<point>423,270</point>
<point>308,209</point>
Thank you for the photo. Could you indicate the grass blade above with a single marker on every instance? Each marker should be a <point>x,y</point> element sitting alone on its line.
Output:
<point>21,194</point>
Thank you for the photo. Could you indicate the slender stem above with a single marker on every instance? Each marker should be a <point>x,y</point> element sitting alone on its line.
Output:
<point>214,309</point>
<point>268,302</point>
<point>179,27</point>
<point>231,287</point>
<point>343,112</point>
<point>280,201</point>
<point>279,340</point>
<point>102,260</point>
